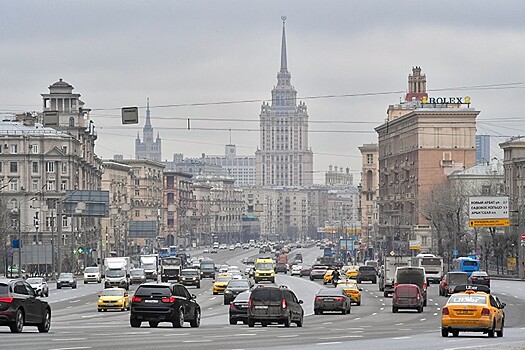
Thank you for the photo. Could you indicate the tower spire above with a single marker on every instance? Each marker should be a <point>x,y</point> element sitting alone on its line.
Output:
<point>284,63</point>
<point>148,119</point>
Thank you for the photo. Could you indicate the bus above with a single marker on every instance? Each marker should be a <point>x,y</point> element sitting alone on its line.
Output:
<point>465,264</point>
<point>433,266</point>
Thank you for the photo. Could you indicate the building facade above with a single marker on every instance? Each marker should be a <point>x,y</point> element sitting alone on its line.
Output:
<point>368,196</point>
<point>148,148</point>
<point>338,177</point>
<point>419,145</point>
<point>482,149</point>
<point>241,168</point>
<point>193,166</point>
<point>284,157</point>
<point>179,205</point>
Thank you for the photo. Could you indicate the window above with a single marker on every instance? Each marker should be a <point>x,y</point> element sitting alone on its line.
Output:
<point>13,167</point>
<point>50,185</point>
<point>64,167</point>
<point>35,167</point>
<point>71,121</point>
<point>50,167</point>
<point>34,149</point>
<point>36,185</point>
<point>369,158</point>
<point>137,192</point>
<point>63,185</point>
<point>20,288</point>
<point>137,213</point>
<point>1,170</point>
<point>64,149</point>
<point>14,149</point>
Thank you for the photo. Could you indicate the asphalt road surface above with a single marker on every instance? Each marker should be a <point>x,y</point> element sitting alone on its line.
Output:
<point>77,325</point>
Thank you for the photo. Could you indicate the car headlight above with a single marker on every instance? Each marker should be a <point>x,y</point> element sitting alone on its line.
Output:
<point>194,278</point>
<point>228,291</point>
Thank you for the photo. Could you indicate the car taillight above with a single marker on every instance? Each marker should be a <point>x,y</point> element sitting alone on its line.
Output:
<point>6,300</point>
<point>444,284</point>
<point>444,311</point>
<point>171,299</point>
<point>474,278</point>
<point>317,298</point>
<point>395,284</point>
<point>339,299</point>
<point>418,296</point>
<point>135,299</point>
<point>487,277</point>
<point>250,302</point>
<point>283,303</point>
<point>425,286</point>
<point>232,306</point>
<point>485,312</point>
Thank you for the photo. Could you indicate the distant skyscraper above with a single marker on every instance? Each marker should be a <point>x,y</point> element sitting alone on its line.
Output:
<point>482,149</point>
<point>284,158</point>
<point>242,168</point>
<point>148,148</point>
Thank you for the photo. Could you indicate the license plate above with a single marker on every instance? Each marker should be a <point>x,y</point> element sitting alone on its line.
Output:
<point>151,301</point>
<point>261,307</point>
<point>465,312</point>
<point>109,304</point>
<point>328,299</point>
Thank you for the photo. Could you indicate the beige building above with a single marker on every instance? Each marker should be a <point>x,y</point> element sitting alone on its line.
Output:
<point>421,143</point>
<point>368,196</point>
<point>179,205</point>
<point>338,177</point>
<point>284,157</point>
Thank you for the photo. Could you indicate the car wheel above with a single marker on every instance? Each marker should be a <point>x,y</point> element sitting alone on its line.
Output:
<point>425,301</point>
<point>420,309</point>
<point>198,285</point>
<point>59,287</point>
<point>385,294</point>
<point>214,293</point>
<point>99,310</point>
<point>444,332</point>
<point>490,333</point>
<point>500,332</point>
<point>316,312</point>
<point>153,324</point>
<point>134,323</point>
<point>455,333</point>
<point>324,282</point>
<point>232,321</point>
<point>75,286</point>
<point>359,303</point>
<point>178,322</point>
<point>46,322</point>
<point>264,324</point>
<point>251,323</point>
<point>300,322</point>
<point>196,322</point>
<point>343,311</point>
<point>18,325</point>
<point>394,309</point>
<point>85,282</point>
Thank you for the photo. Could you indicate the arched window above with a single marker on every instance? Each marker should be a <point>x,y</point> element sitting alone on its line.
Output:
<point>71,121</point>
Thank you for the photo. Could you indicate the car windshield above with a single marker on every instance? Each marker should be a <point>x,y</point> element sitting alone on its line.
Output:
<point>266,294</point>
<point>264,266</point>
<point>329,292</point>
<point>367,268</point>
<point>137,272</point>
<point>467,299</point>
<point>207,266</point>
<point>34,280</point>
<point>112,292</point>
<point>189,273</point>
<point>115,273</point>
<point>171,262</point>
<point>65,276</point>
<point>91,270</point>
<point>146,291</point>
<point>431,261</point>
<point>223,279</point>
<point>458,278</point>
<point>411,277</point>
<point>238,284</point>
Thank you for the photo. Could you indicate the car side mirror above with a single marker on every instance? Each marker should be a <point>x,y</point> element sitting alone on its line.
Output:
<point>99,295</point>
<point>193,297</point>
<point>360,289</point>
<point>213,281</point>
<point>503,305</point>
<point>300,301</point>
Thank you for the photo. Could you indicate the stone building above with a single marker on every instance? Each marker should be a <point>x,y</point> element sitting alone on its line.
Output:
<point>148,148</point>
<point>369,194</point>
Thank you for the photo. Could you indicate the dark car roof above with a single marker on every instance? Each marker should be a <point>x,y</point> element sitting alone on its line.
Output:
<point>330,291</point>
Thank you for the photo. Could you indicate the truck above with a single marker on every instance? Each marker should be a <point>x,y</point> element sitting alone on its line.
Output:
<point>433,266</point>
<point>150,264</point>
<point>170,268</point>
<point>388,272</point>
<point>117,272</point>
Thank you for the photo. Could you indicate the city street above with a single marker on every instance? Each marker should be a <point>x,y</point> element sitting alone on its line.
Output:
<point>76,324</point>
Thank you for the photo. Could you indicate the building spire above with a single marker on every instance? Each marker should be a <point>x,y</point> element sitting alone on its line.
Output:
<point>284,63</point>
<point>148,119</point>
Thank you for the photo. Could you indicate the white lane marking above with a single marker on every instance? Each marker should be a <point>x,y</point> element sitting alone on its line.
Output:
<point>197,341</point>
<point>436,304</point>
<point>381,300</point>
<point>438,308</point>
<point>289,336</point>
<point>343,336</point>
<point>74,301</point>
<point>383,304</point>
<point>382,308</point>
<point>75,348</point>
<point>399,338</point>
<point>89,316</point>
<point>69,339</point>
<point>430,300</point>
<point>375,313</point>
<point>327,322</point>
<point>423,319</point>
<point>376,296</point>
<point>405,329</point>
<point>210,308</point>
<point>179,334</point>
<point>213,298</point>
<point>357,318</point>
<point>399,324</point>
<point>136,333</point>
<point>435,313</point>
<point>329,343</point>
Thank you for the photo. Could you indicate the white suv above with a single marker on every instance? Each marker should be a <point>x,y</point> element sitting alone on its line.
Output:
<point>92,274</point>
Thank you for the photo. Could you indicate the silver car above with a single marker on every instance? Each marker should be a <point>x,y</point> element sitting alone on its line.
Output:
<point>40,286</point>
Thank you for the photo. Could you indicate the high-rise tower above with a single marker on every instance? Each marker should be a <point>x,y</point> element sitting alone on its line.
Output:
<point>148,148</point>
<point>284,158</point>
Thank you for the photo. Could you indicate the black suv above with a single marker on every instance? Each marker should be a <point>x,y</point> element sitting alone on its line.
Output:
<point>367,273</point>
<point>19,307</point>
<point>164,302</point>
<point>274,305</point>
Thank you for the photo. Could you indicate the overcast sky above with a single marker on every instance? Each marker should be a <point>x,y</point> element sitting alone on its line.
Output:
<point>118,53</point>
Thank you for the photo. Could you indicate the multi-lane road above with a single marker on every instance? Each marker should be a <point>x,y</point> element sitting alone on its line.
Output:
<point>77,325</point>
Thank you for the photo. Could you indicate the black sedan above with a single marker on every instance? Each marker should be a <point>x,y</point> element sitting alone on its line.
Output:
<point>235,287</point>
<point>164,302</point>
<point>479,277</point>
<point>19,307</point>
<point>332,299</point>
<point>239,308</point>
<point>66,279</point>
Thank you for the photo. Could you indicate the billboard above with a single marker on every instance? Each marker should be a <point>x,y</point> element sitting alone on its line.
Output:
<point>488,211</point>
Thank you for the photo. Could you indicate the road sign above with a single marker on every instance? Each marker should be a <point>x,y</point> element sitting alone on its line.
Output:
<point>414,245</point>
<point>489,223</point>
<point>488,211</point>
<point>455,252</point>
<point>392,253</point>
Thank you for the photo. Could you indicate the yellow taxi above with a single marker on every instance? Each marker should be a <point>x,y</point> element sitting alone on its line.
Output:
<point>328,276</point>
<point>351,289</point>
<point>113,298</point>
<point>352,272</point>
<point>220,283</point>
<point>472,309</point>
